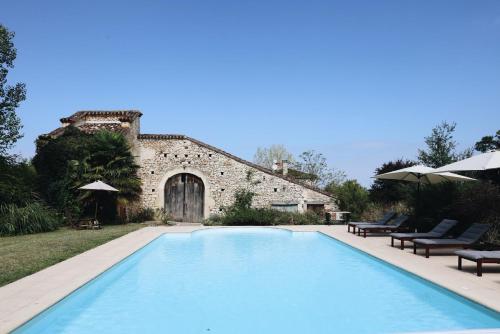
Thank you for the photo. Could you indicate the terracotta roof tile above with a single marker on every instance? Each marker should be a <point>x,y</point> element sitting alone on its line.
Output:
<point>127,114</point>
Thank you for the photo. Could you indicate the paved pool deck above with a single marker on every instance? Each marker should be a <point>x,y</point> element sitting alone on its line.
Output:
<point>25,298</point>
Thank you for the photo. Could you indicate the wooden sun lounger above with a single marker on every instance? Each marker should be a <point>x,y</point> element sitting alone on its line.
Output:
<point>479,257</point>
<point>438,231</point>
<point>400,224</point>
<point>382,221</point>
<point>466,240</point>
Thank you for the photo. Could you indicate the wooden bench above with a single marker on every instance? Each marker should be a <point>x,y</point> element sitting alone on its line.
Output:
<point>88,224</point>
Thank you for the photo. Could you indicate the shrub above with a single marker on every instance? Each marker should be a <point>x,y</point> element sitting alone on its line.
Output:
<point>242,199</point>
<point>375,211</point>
<point>213,220</point>
<point>296,218</point>
<point>249,216</point>
<point>31,218</point>
<point>163,216</point>
<point>241,213</point>
<point>144,214</point>
<point>493,235</point>
<point>477,202</point>
<point>263,217</point>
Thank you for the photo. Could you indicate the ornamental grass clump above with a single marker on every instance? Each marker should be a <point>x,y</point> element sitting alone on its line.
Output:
<point>32,218</point>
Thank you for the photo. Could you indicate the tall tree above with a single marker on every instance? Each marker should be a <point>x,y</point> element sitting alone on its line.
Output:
<point>110,161</point>
<point>265,157</point>
<point>488,143</point>
<point>441,147</point>
<point>51,163</point>
<point>10,96</point>
<point>314,163</point>
<point>17,181</point>
<point>73,159</point>
<point>390,191</point>
<point>352,197</point>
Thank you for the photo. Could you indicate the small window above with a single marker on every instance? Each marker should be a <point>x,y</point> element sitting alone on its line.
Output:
<point>221,173</point>
<point>220,209</point>
<point>185,147</point>
<point>164,155</point>
<point>199,155</point>
<point>275,190</point>
<point>285,207</point>
<point>152,172</point>
<point>264,178</point>
<point>222,189</point>
<point>189,162</point>
<point>175,155</point>
<point>152,190</point>
<point>185,155</point>
<point>210,155</point>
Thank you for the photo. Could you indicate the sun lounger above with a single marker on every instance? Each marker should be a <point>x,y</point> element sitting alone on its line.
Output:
<point>466,240</point>
<point>438,231</point>
<point>382,221</point>
<point>479,257</point>
<point>399,224</point>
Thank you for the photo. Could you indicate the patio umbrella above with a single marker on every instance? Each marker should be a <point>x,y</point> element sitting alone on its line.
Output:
<point>422,175</point>
<point>484,161</point>
<point>98,186</point>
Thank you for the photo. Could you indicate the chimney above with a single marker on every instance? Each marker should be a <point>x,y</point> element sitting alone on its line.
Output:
<point>284,166</point>
<point>275,166</point>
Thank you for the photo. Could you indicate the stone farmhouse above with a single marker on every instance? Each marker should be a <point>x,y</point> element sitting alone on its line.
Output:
<point>191,179</point>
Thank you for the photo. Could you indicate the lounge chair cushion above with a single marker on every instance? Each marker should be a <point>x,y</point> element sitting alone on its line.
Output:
<point>415,235</point>
<point>398,222</point>
<point>382,221</point>
<point>474,233</point>
<point>364,223</point>
<point>441,242</point>
<point>444,226</point>
<point>477,255</point>
<point>437,232</point>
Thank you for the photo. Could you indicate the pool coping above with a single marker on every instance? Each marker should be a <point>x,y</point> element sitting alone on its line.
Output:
<point>22,300</point>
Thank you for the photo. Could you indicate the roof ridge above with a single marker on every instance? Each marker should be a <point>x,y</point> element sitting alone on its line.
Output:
<point>82,113</point>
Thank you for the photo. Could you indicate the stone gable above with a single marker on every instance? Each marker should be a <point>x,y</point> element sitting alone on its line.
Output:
<point>163,158</point>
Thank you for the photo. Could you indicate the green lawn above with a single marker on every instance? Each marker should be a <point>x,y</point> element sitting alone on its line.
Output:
<point>26,254</point>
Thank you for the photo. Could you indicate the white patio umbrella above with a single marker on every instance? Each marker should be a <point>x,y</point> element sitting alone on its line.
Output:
<point>483,161</point>
<point>422,175</point>
<point>98,186</point>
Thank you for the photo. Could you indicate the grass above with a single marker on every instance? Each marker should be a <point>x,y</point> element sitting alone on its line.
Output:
<point>26,254</point>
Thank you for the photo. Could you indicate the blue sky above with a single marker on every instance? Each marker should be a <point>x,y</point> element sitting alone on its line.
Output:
<point>360,81</point>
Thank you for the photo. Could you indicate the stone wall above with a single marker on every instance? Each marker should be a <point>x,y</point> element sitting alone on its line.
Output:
<point>221,174</point>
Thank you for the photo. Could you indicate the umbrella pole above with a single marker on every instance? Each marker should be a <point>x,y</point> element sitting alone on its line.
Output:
<point>417,209</point>
<point>96,205</point>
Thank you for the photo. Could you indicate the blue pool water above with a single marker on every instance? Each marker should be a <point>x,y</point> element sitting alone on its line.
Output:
<point>257,280</point>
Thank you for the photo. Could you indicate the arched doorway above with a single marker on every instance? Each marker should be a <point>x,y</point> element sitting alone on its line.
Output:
<point>184,197</point>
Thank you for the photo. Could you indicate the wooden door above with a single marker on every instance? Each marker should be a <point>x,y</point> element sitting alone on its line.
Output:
<point>184,198</point>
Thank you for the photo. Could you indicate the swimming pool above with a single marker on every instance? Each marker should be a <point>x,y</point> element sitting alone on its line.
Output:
<point>257,280</point>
